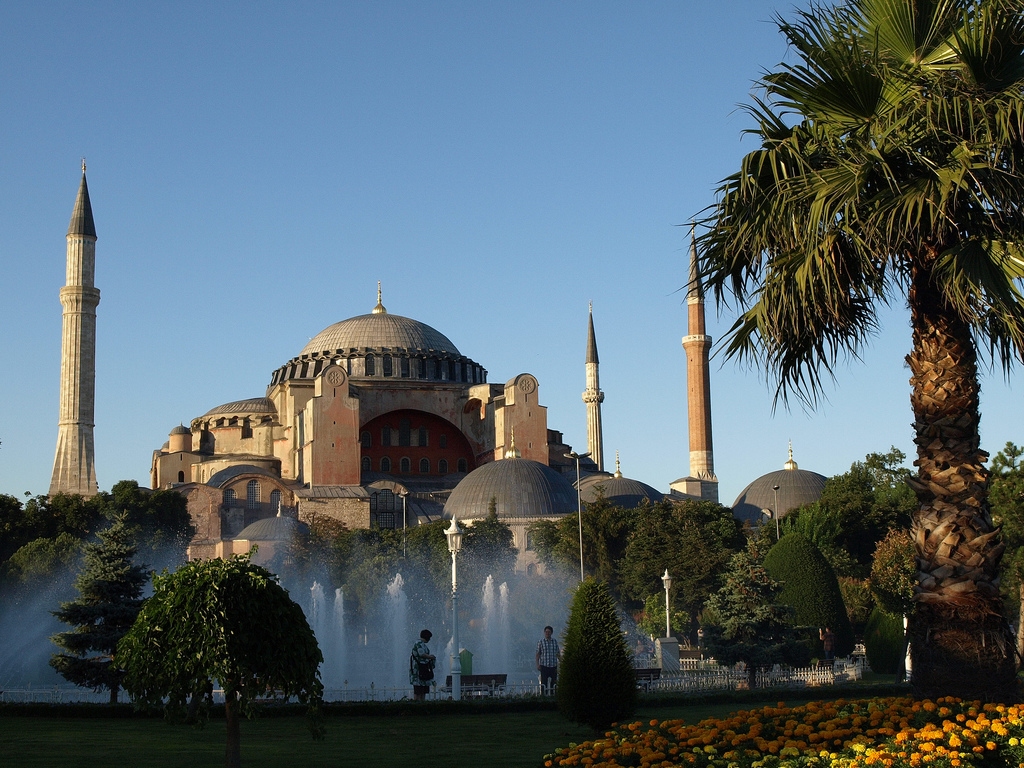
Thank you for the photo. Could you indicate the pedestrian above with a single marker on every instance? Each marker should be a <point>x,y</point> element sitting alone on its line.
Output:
<point>548,654</point>
<point>828,641</point>
<point>421,667</point>
<point>700,642</point>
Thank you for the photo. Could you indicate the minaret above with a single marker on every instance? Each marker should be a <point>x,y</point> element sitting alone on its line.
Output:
<point>74,469</point>
<point>698,384</point>
<point>593,397</point>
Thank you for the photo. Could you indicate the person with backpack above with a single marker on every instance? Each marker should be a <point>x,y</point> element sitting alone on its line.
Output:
<point>421,667</point>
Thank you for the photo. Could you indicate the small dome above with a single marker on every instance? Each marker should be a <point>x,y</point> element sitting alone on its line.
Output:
<point>181,429</point>
<point>519,487</point>
<point>279,528</point>
<point>621,491</point>
<point>376,331</point>
<point>252,405</point>
<point>796,487</point>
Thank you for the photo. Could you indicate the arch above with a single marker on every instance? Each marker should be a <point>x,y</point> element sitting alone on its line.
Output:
<point>404,465</point>
<point>253,494</point>
<point>424,466</point>
<point>442,467</point>
<point>419,434</point>
<point>386,367</point>
<point>385,464</point>
<point>370,366</point>
<point>181,476</point>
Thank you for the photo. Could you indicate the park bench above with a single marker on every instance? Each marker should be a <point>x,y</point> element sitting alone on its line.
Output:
<point>479,685</point>
<point>647,675</point>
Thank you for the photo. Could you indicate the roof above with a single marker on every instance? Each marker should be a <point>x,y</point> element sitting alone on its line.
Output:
<point>252,405</point>
<point>220,478</point>
<point>620,491</point>
<point>81,216</point>
<point>279,528</point>
<point>520,488</point>
<point>796,488</point>
<point>379,330</point>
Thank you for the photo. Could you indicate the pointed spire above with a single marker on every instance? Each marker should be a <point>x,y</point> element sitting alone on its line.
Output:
<point>694,289</point>
<point>591,338</point>
<point>618,467</point>
<point>81,216</point>
<point>512,452</point>
<point>790,464</point>
<point>379,309</point>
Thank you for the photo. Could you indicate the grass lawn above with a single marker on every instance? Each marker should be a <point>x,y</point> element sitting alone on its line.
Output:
<point>423,740</point>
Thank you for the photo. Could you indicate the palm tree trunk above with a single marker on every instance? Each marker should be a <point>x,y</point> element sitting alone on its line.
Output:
<point>960,643</point>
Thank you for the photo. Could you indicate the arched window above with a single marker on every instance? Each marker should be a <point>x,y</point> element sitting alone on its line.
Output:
<point>370,366</point>
<point>422,437</point>
<point>365,440</point>
<point>385,436</point>
<point>275,500</point>
<point>252,494</point>
<point>442,466</point>
<point>385,464</point>
<point>421,368</point>
<point>181,476</point>
<point>443,441</point>
<point>404,464</point>
<point>229,495</point>
<point>364,464</point>
<point>405,367</point>
<point>462,465</point>
<point>403,432</point>
<point>385,365</point>
<point>246,427</point>
<point>382,501</point>
<point>424,465</point>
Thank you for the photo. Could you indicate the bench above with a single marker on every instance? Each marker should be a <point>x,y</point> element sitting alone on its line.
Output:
<point>646,675</point>
<point>479,685</point>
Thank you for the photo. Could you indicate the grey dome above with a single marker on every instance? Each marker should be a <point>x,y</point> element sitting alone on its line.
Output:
<point>252,405</point>
<point>520,488</point>
<point>181,429</point>
<point>620,491</point>
<point>279,528</point>
<point>796,488</point>
<point>376,331</point>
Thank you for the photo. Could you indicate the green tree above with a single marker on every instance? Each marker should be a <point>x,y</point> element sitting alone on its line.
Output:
<point>110,596</point>
<point>810,588</point>
<point>893,578</point>
<point>693,540</point>
<point>884,643</point>
<point>888,167</point>
<point>1007,497</point>
<point>225,620</point>
<point>596,682</point>
<point>652,620</point>
<point>743,620</point>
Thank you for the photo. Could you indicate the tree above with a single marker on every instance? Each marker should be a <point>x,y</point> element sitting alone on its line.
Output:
<point>1007,498</point>
<point>225,620</point>
<point>693,540</point>
<point>744,620</point>
<point>488,551</point>
<point>596,682</point>
<point>110,596</point>
<point>889,167</point>
<point>893,577</point>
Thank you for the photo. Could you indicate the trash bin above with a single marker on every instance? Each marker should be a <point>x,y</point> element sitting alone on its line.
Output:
<point>466,660</point>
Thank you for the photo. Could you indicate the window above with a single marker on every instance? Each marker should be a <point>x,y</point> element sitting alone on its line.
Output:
<point>275,500</point>
<point>364,464</point>
<point>424,466</point>
<point>252,494</point>
<point>181,476</point>
<point>385,436</point>
<point>385,364</point>
<point>385,464</point>
<point>422,441</point>
<point>404,464</point>
<point>382,501</point>
<point>405,367</point>
<point>462,465</point>
<point>443,441</point>
<point>451,370</point>
<point>370,367</point>
<point>229,495</point>
<point>422,367</point>
<point>246,427</point>
<point>364,440</point>
<point>403,432</point>
<point>442,466</point>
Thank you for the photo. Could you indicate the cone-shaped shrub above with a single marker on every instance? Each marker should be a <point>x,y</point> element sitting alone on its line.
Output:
<point>810,587</point>
<point>596,682</point>
<point>883,642</point>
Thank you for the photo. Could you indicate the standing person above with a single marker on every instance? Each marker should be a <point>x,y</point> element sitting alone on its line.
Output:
<point>548,654</point>
<point>828,641</point>
<point>421,667</point>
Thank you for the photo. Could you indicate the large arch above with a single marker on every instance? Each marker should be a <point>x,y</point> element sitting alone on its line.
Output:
<point>415,435</point>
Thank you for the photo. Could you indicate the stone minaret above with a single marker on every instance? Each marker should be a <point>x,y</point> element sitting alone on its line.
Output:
<point>593,397</point>
<point>74,469</point>
<point>698,385</point>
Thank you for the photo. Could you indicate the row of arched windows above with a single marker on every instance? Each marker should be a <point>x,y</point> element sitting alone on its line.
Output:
<point>253,496</point>
<point>421,368</point>
<point>405,465</point>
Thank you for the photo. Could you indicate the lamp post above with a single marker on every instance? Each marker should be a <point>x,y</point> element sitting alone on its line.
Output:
<point>405,518</point>
<point>667,581</point>
<point>579,500</point>
<point>775,512</point>
<point>454,534</point>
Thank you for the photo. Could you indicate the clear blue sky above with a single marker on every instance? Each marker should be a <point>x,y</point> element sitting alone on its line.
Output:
<point>256,167</point>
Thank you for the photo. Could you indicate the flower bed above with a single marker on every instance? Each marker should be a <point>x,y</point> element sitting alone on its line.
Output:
<point>882,732</point>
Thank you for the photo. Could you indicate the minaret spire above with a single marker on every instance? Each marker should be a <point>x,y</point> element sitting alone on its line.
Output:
<point>74,469</point>
<point>379,309</point>
<point>698,383</point>
<point>593,397</point>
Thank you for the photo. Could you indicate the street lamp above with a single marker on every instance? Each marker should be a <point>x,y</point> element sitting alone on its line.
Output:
<point>667,581</point>
<point>775,514</point>
<point>405,518</point>
<point>579,500</point>
<point>454,534</point>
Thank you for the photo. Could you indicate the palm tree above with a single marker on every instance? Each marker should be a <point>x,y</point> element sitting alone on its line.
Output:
<point>891,166</point>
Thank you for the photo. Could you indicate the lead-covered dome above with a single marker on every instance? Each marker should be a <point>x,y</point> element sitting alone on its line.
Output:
<point>519,487</point>
<point>621,491</point>
<point>379,331</point>
<point>796,487</point>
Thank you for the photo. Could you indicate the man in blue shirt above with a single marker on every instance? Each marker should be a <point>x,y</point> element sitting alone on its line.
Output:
<point>548,654</point>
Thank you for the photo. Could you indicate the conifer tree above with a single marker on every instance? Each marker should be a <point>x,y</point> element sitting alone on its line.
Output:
<point>110,588</point>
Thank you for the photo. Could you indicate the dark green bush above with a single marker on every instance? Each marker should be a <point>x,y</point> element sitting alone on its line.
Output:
<point>596,682</point>
<point>883,642</point>
<point>810,588</point>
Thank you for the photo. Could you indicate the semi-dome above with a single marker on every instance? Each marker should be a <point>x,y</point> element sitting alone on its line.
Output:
<point>519,487</point>
<point>796,487</point>
<point>278,528</point>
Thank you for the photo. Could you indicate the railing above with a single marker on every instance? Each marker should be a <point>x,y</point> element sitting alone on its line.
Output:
<point>56,695</point>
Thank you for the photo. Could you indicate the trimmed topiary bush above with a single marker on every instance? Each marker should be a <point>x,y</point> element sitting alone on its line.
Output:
<point>810,588</point>
<point>596,682</point>
<point>883,642</point>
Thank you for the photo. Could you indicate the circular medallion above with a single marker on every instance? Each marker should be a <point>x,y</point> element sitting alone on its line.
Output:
<point>334,376</point>
<point>527,384</point>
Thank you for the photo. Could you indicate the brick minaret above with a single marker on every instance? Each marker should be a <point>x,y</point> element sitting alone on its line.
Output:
<point>593,397</point>
<point>698,385</point>
<point>74,469</point>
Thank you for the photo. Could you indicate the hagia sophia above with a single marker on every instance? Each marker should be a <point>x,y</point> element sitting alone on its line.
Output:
<point>381,421</point>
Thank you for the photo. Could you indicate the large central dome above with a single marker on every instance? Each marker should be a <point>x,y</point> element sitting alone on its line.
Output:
<point>379,330</point>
